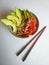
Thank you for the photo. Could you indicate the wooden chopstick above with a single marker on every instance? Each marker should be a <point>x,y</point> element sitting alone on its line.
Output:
<point>20,51</point>
<point>25,56</point>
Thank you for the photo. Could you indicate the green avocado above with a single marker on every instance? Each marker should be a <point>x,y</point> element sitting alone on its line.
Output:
<point>27,14</point>
<point>10,23</point>
<point>14,19</point>
<point>20,14</point>
<point>13,13</point>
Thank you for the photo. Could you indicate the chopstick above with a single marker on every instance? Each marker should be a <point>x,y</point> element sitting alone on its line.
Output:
<point>20,51</point>
<point>25,56</point>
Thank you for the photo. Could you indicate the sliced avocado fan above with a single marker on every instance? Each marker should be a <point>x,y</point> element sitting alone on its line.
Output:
<point>14,19</point>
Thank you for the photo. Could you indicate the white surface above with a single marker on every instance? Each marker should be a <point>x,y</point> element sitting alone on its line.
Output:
<point>9,44</point>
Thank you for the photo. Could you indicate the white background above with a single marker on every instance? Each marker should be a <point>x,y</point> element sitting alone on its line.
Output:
<point>10,44</point>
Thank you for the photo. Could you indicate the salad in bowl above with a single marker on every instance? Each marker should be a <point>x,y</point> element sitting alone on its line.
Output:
<point>23,23</point>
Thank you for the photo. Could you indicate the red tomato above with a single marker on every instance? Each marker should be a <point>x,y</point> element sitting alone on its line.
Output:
<point>32,26</point>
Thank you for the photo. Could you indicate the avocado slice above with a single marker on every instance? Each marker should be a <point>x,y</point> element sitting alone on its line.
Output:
<point>13,13</point>
<point>14,19</point>
<point>20,14</point>
<point>10,23</point>
<point>27,14</point>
